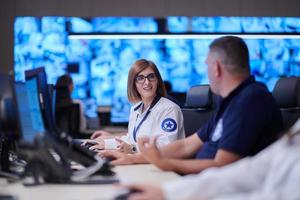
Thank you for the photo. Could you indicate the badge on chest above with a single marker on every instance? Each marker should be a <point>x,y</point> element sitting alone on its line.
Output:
<point>218,131</point>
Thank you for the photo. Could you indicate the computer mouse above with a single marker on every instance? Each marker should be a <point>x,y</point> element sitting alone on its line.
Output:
<point>125,195</point>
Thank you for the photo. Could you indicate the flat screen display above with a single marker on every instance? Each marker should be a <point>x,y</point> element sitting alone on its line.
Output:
<point>99,67</point>
<point>29,111</point>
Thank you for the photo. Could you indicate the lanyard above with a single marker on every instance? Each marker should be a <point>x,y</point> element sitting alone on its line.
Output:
<point>136,128</point>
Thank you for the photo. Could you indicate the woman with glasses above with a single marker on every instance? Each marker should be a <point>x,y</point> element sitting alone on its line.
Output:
<point>152,115</point>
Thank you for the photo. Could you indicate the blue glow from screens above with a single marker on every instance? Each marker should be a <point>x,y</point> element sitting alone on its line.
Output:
<point>29,110</point>
<point>101,66</point>
<point>113,25</point>
<point>233,24</point>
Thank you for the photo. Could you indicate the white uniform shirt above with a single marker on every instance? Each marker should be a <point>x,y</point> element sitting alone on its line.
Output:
<point>165,119</point>
<point>273,174</point>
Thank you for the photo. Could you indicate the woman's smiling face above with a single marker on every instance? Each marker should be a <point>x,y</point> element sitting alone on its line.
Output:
<point>146,83</point>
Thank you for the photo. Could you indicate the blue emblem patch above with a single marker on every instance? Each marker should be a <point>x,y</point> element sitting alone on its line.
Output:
<point>169,125</point>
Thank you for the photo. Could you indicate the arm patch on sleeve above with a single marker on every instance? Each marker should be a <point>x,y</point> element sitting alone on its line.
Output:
<point>169,125</point>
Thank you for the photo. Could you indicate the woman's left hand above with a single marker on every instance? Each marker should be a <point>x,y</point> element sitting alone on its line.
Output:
<point>145,192</point>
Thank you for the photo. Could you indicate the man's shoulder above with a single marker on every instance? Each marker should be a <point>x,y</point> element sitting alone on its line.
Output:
<point>253,97</point>
<point>257,90</point>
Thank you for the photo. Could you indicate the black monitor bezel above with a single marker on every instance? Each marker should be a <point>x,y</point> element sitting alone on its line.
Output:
<point>44,96</point>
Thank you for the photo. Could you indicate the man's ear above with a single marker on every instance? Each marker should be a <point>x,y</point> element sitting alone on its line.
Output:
<point>218,69</point>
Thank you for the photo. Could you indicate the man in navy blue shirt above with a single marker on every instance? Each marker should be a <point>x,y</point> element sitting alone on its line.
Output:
<point>246,120</point>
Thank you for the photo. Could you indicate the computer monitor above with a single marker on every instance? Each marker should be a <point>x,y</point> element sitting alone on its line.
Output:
<point>31,124</point>
<point>35,145</point>
<point>46,156</point>
<point>44,96</point>
<point>73,152</point>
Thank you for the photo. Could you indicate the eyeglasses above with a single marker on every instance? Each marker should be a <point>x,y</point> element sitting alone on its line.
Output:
<point>141,78</point>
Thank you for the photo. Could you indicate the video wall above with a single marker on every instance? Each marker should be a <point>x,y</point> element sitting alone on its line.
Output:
<point>99,67</point>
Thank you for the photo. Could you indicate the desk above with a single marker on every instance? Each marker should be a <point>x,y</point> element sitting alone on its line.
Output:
<point>127,174</point>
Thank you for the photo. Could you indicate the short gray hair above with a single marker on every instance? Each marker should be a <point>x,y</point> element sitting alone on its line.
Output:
<point>233,53</point>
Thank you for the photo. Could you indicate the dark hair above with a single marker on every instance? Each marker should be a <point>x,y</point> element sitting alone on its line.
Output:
<point>136,68</point>
<point>168,86</point>
<point>64,81</point>
<point>63,93</point>
<point>233,52</point>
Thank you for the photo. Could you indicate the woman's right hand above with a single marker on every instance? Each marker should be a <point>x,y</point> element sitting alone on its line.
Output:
<point>97,144</point>
<point>100,134</point>
<point>89,142</point>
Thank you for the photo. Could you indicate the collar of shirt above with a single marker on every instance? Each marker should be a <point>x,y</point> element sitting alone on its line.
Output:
<point>239,88</point>
<point>140,105</point>
<point>140,109</point>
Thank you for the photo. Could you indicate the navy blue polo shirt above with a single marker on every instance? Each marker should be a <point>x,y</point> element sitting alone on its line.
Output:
<point>245,122</point>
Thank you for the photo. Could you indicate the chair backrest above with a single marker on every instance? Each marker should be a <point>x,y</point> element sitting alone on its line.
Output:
<point>198,108</point>
<point>177,97</point>
<point>68,119</point>
<point>287,95</point>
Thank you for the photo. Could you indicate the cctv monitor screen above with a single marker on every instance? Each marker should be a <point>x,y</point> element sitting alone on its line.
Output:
<point>99,51</point>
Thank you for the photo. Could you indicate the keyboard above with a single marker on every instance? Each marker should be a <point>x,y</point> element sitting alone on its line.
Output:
<point>82,154</point>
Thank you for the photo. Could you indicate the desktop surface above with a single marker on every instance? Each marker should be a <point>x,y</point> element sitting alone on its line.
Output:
<point>126,174</point>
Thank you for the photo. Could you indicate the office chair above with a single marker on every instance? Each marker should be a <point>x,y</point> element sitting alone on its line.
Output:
<point>287,95</point>
<point>67,113</point>
<point>198,108</point>
<point>177,97</point>
<point>67,119</point>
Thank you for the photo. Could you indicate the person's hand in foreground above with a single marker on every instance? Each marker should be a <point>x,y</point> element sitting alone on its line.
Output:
<point>144,192</point>
<point>149,150</point>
